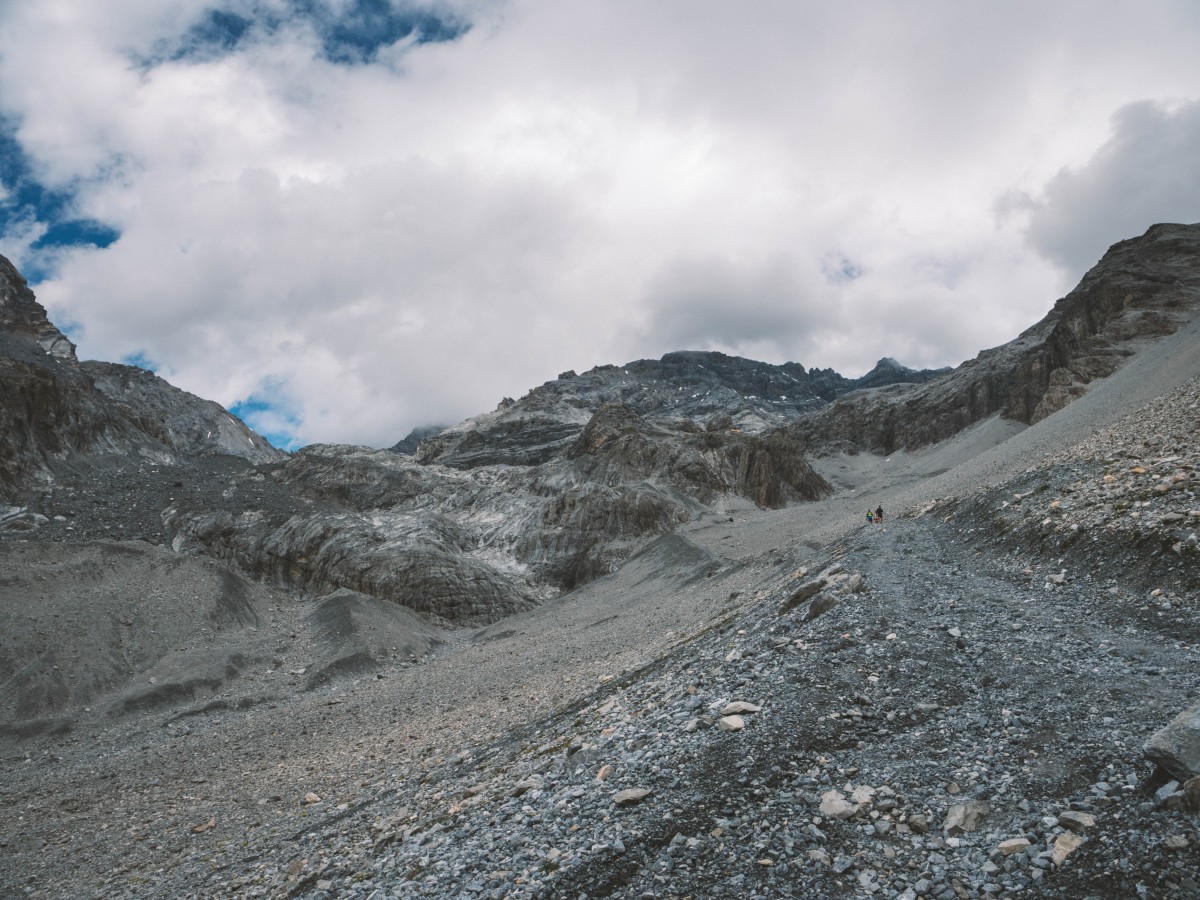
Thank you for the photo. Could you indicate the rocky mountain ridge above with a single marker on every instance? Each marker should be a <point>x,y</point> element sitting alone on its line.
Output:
<point>685,390</point>
<point>1143,288</point>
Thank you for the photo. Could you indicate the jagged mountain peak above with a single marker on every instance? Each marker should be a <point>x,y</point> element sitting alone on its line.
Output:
<point>21,315</point>
<point>682,389</point>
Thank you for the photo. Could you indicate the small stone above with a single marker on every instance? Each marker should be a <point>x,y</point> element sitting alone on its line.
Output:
<point>523,787</point>
<point>630,796</point>
<point>204,826</point>
<point>1176,842</point>
<point>1076,821</point>
<point>820,856</point>
<point>1013,845</point>
<point>1168,790</point>
<point>1064,845</point>
<point>604,772</point>
<point>1191,794</point>
<point>311,798</point>
<point>918,824</point>
<point>862,794</point>
<point>731,723</point>
<point>739,706</point>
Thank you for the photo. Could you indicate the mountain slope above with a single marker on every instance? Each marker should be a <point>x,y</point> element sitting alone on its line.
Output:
<point>1142,289</point>
<point>770,700</point>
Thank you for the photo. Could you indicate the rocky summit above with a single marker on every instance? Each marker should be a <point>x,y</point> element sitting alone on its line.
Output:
<point>630,635</point>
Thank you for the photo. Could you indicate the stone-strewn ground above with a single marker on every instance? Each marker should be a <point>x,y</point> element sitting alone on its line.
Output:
<point>1127,498</point>
<point>956,723</point>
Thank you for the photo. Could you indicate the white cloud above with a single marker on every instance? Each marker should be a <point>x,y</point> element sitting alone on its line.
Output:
<point>381,246</point>
<point>1146,172</point>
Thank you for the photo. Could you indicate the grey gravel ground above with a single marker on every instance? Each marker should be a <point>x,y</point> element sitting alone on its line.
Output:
<point>953,671</point>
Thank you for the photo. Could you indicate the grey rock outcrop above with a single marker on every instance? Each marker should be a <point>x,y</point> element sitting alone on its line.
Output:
<point>189,424</point>
<point>472,546</point>
<point>413,439</point>
<point>21,314</point>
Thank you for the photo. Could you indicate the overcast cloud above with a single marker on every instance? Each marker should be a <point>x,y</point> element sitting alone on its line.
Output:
<point>352,217</point>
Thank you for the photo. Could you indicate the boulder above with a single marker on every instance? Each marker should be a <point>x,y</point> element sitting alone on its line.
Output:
<point>821,604</point>
<point>1176,747</point>
<point>964,817</point>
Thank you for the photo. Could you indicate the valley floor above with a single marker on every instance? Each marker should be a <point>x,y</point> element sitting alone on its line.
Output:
<point>958,674</point>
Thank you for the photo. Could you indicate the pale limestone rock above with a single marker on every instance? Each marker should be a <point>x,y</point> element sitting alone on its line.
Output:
<point>836,806</point>
<point>1076,821</point>
<point>1013,845</point>
<point>739,706</point>
<point>964,817</point>
<point>630,796</point>
<point>1064,845</point>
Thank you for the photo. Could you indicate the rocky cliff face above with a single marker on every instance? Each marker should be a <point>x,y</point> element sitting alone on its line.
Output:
<point>1142,288</point>
<point>21,314</point>
<point>189,425</point>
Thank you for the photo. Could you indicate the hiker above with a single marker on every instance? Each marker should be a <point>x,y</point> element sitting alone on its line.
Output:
<point>870,517</point>
<point>879,515</point>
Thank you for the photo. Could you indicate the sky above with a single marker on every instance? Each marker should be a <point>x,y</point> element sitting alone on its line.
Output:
<point>347,218</point>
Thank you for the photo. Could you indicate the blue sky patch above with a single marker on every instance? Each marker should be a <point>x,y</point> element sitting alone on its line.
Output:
<point>841,269</point>
<point>218,32</point>
<point>139,359</point>
<point>269,419</point>
<point>350,33</point>
<point>28,201</point>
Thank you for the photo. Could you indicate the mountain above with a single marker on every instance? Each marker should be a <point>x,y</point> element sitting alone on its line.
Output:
<point>655,650</point>
<point>686,389</point>
<point>55,410</point>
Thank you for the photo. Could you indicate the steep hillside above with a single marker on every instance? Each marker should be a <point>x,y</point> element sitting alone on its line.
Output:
<point>1142,289</point>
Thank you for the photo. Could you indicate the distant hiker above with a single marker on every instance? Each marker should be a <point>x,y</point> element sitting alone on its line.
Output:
<point>870,517</point>
<point>879,515</point>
